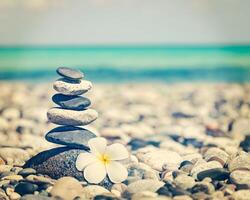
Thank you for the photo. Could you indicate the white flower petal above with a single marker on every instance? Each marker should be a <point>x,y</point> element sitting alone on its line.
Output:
<point>97,145</point>
<point>95,172</point>
<point>84,159</point>
<point>117,152</point>
<point>116,172</point>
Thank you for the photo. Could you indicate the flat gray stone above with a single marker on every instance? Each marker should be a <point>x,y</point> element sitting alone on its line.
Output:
<point>71,102</point>
<point>69,73</point>
<point>70,136</point>
<point>67,87</point>
<point>71,117</point>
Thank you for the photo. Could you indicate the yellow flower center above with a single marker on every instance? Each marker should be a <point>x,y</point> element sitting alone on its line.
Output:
<point>105,159</point>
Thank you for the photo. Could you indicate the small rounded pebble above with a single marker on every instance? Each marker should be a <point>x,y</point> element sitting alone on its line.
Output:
<point>241,178</point>
<point>158,158</point>
<point>185,162</point>
<point>199,167</point>
<point>240,162</point>
<point>14,156</point>
<point>144,185</point>
<point>202,187</point>
<point>27,172</point>
<point>23,188</point>
<point>90,191</point>
<point>67,188</point>
<point>13,177</point>
<point>14,196</point>
<point>245,144</point>
<point>215,174</point>
<point>184,181</point>
<point>217,155</point>
<point>241,195</point>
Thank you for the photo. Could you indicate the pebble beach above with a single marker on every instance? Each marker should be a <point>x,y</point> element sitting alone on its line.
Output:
<point>186,141</point>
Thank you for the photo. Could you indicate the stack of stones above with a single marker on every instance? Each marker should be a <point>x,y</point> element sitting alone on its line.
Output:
<point>72,112</point>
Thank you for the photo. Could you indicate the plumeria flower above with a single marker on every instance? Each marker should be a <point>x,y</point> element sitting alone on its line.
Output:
<point>102,160</point>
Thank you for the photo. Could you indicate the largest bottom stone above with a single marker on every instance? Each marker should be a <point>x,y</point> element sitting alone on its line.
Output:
<point>57,162</point>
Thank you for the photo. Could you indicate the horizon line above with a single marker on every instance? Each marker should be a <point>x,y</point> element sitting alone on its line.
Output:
<point>156,45</point>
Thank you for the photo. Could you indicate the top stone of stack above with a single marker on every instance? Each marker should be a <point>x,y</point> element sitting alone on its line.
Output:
<point>71,82</point>
<point>70,74</point>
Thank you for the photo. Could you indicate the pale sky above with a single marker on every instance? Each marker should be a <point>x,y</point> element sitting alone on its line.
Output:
<point>62,22</point>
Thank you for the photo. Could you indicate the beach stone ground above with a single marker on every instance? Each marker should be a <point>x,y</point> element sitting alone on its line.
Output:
<point>187,141</point>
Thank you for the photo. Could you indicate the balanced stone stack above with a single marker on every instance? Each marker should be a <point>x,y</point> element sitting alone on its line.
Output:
<point>72,112</point>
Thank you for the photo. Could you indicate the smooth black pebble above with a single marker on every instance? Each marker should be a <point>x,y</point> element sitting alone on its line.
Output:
<point>185,162</point>
<point>139,143</point>
<point>245,144</point>
<point>23,188</point>
<point>164,191</point>
<point>71,102</point>
<point>199,188</point>
<point>70,136</point>
<point>218,174</point>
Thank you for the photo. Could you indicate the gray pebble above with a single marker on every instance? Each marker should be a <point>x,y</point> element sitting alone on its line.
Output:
<point>70,136</point>
<point>71,102</point>
<point>71,117</point>
<point>69,73</point>
<point>67,87</point>
<point>27,171</point>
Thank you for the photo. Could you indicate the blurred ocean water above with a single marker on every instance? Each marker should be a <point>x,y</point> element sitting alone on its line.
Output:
<point>127,63</point>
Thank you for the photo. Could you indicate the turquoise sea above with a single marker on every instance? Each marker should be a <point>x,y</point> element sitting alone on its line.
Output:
<point>212,63</point>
